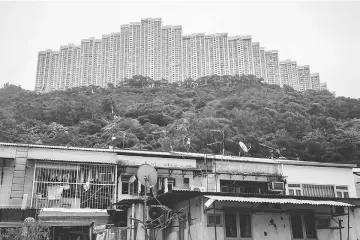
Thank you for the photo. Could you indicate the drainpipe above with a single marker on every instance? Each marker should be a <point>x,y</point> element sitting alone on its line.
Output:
<point>348,223</point>
<point>340,226</point>
<point>215,221</point>
<point>132,222</point>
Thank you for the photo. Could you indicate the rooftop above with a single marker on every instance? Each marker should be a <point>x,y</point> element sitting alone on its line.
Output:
<point>185,155</point>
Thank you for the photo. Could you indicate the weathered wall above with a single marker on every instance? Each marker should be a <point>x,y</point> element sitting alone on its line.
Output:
<point>156,161</point>
<point>247,167</point>
<point>265,225</point>
<point>71,155</point>
<point>320,175</point>
<point>8,173</point>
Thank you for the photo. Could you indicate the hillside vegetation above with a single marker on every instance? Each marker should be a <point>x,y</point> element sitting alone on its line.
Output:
<point>143,114</point>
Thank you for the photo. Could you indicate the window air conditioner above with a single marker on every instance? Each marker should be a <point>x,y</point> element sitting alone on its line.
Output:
<point>276,186</point>
<point>197,189</point>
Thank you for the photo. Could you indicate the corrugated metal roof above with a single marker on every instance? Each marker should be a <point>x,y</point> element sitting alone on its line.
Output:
<point>98,161</point>
<point>188,155</point>
<point>278,201</point>
<point>10,206</point>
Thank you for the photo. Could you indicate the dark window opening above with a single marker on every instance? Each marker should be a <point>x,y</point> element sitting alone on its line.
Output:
<point>214,219</point>
<point>296,226</point>
<point>186,182</point>
<point>323,223</point>
<point>245,226</point>
<point>243,187</point>
<point>309,221</point>
<point>230,225</point>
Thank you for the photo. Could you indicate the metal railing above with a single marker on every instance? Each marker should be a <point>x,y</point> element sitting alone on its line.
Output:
<point>67,185</point>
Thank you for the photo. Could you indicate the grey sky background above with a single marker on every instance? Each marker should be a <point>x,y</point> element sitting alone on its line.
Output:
<point>324,35</point>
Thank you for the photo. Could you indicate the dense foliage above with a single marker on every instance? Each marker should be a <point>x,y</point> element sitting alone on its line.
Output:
<point>156,115</point>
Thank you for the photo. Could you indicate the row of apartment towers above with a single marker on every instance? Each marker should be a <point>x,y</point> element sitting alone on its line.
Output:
<point>150,49</point>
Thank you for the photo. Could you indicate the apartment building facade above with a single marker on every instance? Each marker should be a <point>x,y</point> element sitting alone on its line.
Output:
<point>272,67</point>
<point>160,52</point>
<point>289,74</point>
<point>73,190</point>
<point>304,78</point>
<point>315,81</point>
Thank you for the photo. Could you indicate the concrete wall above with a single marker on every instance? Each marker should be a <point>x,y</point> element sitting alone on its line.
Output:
<point>265,225</point>
<point>320,175</point>
<point>8,173</point>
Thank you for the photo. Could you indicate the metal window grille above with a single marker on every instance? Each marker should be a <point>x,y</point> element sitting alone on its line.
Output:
<point>318,190</point>
<point>68,185</point>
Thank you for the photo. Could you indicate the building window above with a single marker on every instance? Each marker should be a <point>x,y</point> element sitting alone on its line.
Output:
<point>186,182</point>
<point>303,226</point>
<point>323,223</point>
<point>237,224</point>
<point>294,189</point>
<point>214,219</point>
<point>342,192</point>
<point>60,185</point>
<point>312,190</point>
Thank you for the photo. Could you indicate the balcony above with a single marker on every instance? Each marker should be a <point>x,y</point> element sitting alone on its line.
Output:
<point>59,185</point>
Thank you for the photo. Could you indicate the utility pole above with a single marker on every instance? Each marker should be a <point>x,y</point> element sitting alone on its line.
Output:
<point>223,140</point>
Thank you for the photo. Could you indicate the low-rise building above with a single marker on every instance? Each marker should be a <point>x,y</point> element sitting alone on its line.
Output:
<point>82,193</point>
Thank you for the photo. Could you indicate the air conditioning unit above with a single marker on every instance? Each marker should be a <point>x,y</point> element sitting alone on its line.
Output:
<point>197,189</point>
<point>276,186</point>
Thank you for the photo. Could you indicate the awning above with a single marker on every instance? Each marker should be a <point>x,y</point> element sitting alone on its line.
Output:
<point>72,212</point>
<point>274,200</point>
<point>73,216</point>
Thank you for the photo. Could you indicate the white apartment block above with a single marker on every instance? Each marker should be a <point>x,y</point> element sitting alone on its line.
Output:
<point>130,50</point>
<point>186,57</point>
<point>257,59</point>
<point>263,63</point>
<point>86,62</point>
<point>67,65</point>
<point>115,43</point>
<point>106,55</point>
<point>75,66</point>
<point>323,86</point>
<point>149,49</point>
<point>304,78</point>
<point>216,55</point>
<point>272,67</point>
<point>171,53</point>
<point>236,55</point>
<point>150,53</point>
<point>248,55</point>
<point>198,55</point>
<point>96,70</point>
<point>209,54</point>
<point>54,71</point>
<point>43,66</point>
<point>289,74</point>
<point>315,81</point>
<point>222,49</point>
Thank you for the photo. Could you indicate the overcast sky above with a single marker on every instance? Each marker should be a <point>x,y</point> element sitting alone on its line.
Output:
<point>324,35</point>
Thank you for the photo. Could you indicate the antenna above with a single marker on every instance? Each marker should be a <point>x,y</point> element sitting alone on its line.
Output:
<point>147,176</point>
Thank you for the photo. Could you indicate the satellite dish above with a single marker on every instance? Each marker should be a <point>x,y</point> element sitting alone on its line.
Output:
<point>147,175</point>
<point>243,147</point>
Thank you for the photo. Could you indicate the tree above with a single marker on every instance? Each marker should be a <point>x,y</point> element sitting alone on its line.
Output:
<point>29,231</point>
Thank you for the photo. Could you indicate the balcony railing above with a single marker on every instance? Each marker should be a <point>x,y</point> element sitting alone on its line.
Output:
<point>59,185</point>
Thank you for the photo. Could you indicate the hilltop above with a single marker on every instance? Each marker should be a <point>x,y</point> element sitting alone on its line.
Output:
<point>155,115</point>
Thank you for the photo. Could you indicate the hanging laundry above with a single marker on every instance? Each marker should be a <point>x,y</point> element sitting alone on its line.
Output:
<point>166,185</point>
<point>97,175</point>
<point>139,187</point>
<point>90,177</point>
<point>82,176</point>
<point>87,186</point>
<point>54,192</point>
